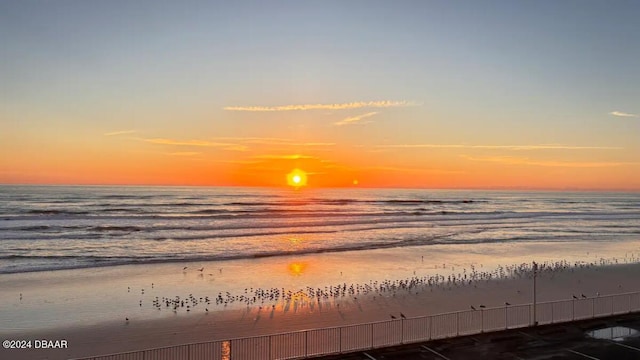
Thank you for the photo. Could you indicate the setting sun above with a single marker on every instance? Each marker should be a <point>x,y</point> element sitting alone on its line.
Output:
<point>297,178</point>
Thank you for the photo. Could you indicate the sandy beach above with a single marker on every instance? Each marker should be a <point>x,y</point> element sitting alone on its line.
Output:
<point>166,304</point>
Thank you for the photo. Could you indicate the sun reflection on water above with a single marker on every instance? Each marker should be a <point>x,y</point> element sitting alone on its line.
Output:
<point>297,268</point>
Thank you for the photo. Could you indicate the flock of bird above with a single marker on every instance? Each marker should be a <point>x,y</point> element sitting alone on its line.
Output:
<point>269,297</point>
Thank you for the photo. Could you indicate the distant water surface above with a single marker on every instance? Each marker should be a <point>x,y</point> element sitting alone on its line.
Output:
<point>60,227</point>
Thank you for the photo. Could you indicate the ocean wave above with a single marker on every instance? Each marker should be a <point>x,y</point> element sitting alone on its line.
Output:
<point>115,228</point>
<point>346,201</point>
<point>56,212</point>
<point>104,226</point>
<point>53,262</point>
<point>279,220</point>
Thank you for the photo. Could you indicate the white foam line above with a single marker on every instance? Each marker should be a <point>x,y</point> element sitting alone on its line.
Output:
<point>369,356</point>
<point>435,352</point>
<point>581,354</point>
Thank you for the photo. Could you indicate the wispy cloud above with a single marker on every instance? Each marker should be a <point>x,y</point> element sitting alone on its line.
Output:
<point>196,143</point>
<point>513,160</point>
<point>284,157</point>
<point>242,162</point>
<point>355,119</point>
<point>623,114</point>
<point>122,132</point>
<point>406,169</point>
<point>185,153</point>
<point>341,106</point>
<point>203,143</point>
<point>273,141</point>
<point>503,147</point>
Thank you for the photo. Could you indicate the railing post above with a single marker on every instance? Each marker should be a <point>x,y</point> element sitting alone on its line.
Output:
<point>535,294</point>
<point>573,309</point>
<point>401,330</point>
<point>306,345</point>
<point>481,320</point>
<point>458,323</point>
<point>372,335</point>
<point>506,322</point>
<point>593,308</point>
<point>430,325</point>
<point>340,338</point>
<point>270,352</point>
<point>611,297</point>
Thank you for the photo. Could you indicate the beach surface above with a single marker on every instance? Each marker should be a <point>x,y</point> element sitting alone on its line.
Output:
<point>125,308</point>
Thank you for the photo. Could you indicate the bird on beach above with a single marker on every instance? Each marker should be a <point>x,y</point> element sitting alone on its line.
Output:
<point>402,316</point>
<point>201,269</point>
<point>393,317</point>
<point>575,297</point>
<point>126,320</point>
<point>185,268</point>
<point>473,308</point>
<point>507,304</point>
<point>482,306</point>
<point>583,296</point>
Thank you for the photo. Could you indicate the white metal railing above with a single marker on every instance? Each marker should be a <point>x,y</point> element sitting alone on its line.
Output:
<point>343,339</point>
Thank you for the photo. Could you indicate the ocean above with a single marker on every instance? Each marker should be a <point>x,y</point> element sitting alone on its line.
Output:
<point>44,228</point>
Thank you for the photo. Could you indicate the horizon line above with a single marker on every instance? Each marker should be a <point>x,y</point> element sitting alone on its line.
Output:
<point>352,187</point>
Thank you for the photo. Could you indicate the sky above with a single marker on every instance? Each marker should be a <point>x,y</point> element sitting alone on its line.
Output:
<point>406,94</point>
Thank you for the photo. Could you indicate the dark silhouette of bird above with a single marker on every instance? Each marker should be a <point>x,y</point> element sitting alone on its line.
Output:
<point>473,308</point>
<point>393,317</point>
<point>482,306</point>
<point>402,316</point>
<point>201,269</point>
<point>185,268</point>
<point>507,304</point>
<point>584,297</point>
<point>575,297</point>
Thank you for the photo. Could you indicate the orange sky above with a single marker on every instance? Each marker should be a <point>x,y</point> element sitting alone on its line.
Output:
<point>128,159</point>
